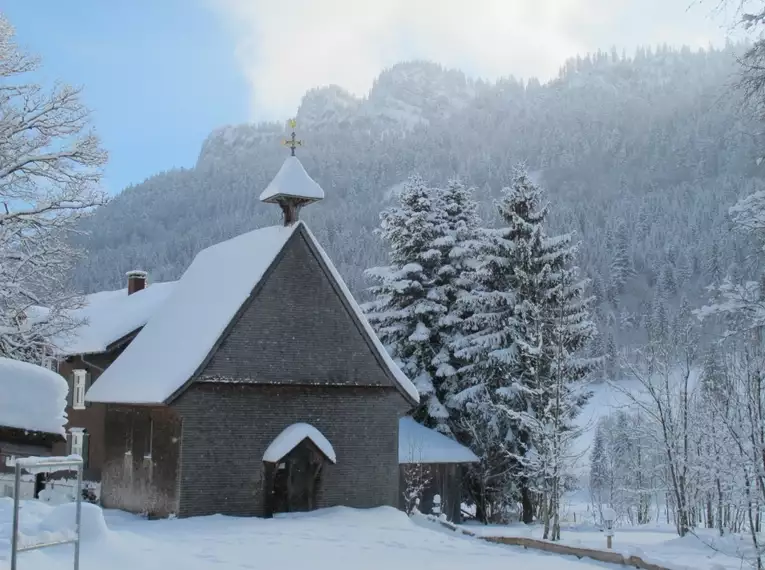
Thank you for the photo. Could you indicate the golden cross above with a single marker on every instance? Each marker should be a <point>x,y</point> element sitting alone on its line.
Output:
<point>292,142</point>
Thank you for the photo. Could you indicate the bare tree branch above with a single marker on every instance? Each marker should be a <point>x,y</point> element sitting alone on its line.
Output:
<point>50,169</point>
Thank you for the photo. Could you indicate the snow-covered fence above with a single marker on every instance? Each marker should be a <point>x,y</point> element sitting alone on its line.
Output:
<point>42,465</point>
<point>609,557</point>
<point>27,487</point>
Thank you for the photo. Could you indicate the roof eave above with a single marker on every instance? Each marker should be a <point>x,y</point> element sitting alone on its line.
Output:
<point>461,462</point>
<point>276,198</point>
<point>123,339</point>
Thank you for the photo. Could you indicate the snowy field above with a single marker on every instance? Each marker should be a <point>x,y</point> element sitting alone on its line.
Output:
<point>375,539</point>
<point>606,399</point>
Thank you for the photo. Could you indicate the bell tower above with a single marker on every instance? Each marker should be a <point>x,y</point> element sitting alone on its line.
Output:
<point>292,187</point>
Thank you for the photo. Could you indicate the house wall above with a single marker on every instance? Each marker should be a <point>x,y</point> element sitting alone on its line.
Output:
<point>140,470</point>
<point>92,417</point>
<point>443,479</point>
<point>297,330</point>
<point>227,428</point>
<point>17,442</point>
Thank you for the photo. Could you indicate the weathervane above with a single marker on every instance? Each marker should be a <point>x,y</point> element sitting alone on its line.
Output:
<point>292,142</point>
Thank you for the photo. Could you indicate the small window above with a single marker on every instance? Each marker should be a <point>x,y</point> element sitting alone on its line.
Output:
<point>149,438</point>
<point>130,425</point>
<point>78,441</point>
<point>78,389</point>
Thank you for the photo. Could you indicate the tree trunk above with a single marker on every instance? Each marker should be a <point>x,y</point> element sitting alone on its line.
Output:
<point>39,484</point>
<point>546,510</point>
<point>527,505</point>
<point>719,506</point>
<point>481,512</point>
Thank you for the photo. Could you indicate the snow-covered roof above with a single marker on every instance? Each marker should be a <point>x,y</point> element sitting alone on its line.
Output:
<point>47,464</point>
<point>110,315</point>
<point>183,330</point>
<point>292,180</point>
<point>177,339</point>
<point>291,436</point>
<point>32,398</point>
<point>418,444</point>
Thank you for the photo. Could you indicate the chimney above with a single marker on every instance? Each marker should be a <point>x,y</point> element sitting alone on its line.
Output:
<point>136,281</point>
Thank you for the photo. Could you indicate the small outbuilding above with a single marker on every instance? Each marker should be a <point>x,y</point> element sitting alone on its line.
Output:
<point>32,416</point>
<point>431,464</point>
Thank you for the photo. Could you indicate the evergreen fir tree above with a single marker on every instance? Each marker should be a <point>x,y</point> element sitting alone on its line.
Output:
<point>658,329</point>
<point>458,246</point>
<point>528,321</point>
<point>611,357</point>
<point>414,312</point>
<point>599,466</point>
<point>403,313</point>
<point>712,266</point>
<point>621,263</point>
<point>668,281</point>
<point>713,374</point>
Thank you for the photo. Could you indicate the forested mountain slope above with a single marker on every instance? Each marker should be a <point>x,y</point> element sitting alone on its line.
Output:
<point>641,156</point>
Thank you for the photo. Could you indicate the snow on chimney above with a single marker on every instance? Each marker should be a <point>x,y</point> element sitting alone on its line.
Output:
<point>136,281</point>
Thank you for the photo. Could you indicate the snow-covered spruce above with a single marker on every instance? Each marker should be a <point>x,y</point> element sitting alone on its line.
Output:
<point>415,310</point>
<point>528,323</point>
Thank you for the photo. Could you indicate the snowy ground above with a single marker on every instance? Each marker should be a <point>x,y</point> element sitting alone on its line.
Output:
<point>374,539</point>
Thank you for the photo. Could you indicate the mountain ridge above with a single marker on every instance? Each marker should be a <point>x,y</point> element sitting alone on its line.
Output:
<point>653,147</point>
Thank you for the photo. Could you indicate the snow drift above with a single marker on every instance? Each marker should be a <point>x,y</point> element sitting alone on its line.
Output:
<point>62,520</point>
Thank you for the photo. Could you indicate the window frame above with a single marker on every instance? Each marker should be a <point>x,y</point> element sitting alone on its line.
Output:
<point>79,381</point>
<point>150,441</point>
<point>78,441</point>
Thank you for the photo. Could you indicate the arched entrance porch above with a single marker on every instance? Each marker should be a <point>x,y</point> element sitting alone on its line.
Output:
<point>293,466</point>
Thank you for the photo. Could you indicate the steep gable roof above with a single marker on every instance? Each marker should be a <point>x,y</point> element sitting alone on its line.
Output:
<point>179,339</point>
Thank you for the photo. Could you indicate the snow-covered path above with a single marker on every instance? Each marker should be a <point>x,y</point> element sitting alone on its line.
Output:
<point>370,540</point>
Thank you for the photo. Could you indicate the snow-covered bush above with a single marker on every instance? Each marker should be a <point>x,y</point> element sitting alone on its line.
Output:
<point>62,519</point>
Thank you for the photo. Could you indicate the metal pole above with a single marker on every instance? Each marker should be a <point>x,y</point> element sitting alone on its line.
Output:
<point>15,535</point>
<point>78,517</point>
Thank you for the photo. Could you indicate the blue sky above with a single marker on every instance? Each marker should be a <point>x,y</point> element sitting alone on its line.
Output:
<point>158,75</point>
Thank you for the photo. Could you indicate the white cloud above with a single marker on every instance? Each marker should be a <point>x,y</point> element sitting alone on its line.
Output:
<point>285,47</point>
